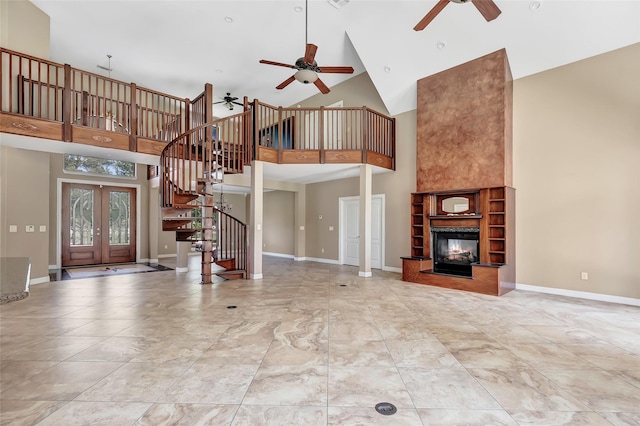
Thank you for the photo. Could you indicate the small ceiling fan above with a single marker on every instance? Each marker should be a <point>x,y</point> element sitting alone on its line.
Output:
<point>229,101</point>
<point>306,66</point>
<point>487,8</point>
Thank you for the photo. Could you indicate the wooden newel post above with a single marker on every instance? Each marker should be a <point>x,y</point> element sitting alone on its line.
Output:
<point>66,105</point>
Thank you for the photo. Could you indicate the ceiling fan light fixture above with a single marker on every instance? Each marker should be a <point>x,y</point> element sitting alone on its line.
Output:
<point>306,76</point>
<point>534,5</point>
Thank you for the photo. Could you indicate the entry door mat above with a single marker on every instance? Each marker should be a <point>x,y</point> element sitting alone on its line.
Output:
<point>109,270</point>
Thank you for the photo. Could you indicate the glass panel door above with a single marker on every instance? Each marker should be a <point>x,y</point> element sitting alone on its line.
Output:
<point>90,210</point>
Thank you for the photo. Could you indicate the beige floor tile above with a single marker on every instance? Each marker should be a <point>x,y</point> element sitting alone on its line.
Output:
<point>465,417</point>
<point>526,390</point>
<point>15,412</point>
<point>231,352</point>
<point>622,419</point>
<point>359,353</point>
<point>366,387</point>
<point>451,388</point>
<point>598,390</point>
<point>421,353</point>
<point>339,416</point>
<point>16,372</point>
<point>96,413</point>
<point>187,415</point>
<point>252,415</point>
<point>211,384</point>
<point>61,382</point>
<point>135,382</point>
<point>116,349</point>
<point>299,351</point>
<point>288,385</point>
<point>539,418</point>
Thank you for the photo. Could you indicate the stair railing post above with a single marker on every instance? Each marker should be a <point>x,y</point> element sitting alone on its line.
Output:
<point>280,140</point>
<point>321,134</point>
<point>365,134</point>
<point>66,105</point>
<point>133,119</point>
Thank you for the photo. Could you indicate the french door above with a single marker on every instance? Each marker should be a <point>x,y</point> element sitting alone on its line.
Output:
<point>98,224</point>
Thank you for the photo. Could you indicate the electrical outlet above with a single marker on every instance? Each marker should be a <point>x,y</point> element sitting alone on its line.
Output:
<point>584,276</point>
<point>331,228</point>
<point>166,246</point>
<point>322,250</point>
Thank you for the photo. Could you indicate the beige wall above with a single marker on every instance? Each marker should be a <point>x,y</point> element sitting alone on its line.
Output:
<point>32,39</point>
<point>322,198</point>
<point>577,175</point>
<point>25,197</point>
<point>279,222</point>
<point>56,165</point>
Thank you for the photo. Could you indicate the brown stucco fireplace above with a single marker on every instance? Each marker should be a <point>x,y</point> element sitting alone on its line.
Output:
<point>464,180</point>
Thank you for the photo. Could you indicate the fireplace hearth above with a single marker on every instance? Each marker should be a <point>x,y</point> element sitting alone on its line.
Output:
<point>455,249</point>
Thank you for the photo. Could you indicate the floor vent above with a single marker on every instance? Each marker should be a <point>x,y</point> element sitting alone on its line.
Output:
<point>386,408</point>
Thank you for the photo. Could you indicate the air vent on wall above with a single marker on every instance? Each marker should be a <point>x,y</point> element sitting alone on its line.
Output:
<point>338,3</point>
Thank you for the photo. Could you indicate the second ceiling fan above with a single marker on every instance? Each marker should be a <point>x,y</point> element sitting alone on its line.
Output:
<point>487,8</point>
<point>306,66</point>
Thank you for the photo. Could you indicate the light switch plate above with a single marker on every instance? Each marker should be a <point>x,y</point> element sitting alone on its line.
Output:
<point>13,228</point>
<point>30,228</point>
<point>43,228</point>
<point>302,227</point>
<point>331,228</point>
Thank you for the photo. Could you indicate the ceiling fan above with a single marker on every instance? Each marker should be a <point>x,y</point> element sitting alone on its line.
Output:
<point>487,8</point>
<point>306,66</point>
<point>229,101</point>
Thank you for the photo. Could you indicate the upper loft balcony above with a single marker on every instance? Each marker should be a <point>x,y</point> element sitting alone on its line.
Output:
<point>44,99</point>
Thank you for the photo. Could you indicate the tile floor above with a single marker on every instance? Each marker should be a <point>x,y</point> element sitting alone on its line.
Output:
<point>312,344</point>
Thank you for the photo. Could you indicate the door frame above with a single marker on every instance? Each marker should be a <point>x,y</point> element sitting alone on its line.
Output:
<point>342,224</point>
<point>59,183</point>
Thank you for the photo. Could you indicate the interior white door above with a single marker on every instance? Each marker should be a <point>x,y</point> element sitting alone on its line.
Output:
<point>351,231</point>
<point>351,243</point>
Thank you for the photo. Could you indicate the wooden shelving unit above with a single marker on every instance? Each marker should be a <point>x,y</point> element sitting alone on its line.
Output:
<point>418,224</point>
<point>497,224</point>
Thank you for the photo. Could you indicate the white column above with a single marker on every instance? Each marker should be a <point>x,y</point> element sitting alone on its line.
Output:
<point>255,220</point>
<point>183,249</point>
<point>365,220</point>
<point>155,221</point>
<point>300,230</point>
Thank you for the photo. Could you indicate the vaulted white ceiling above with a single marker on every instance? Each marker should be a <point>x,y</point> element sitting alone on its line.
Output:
<point>175,46</point>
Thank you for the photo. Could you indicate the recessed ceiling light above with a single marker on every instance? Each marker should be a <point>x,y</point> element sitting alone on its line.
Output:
<point>534,5</point>
<point>218,71</point>
<point>441,44</point>
<point>298,8</point>
<point>228,19</point>
<point>387,68</point>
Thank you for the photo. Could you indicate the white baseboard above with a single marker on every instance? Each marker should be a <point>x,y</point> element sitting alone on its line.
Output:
<point>256,276</point>
<point>153,261</point>
<point>40,280</point>
<point>162,256</point>
<point>365,274</point>
<point>182,269</point>
<point>54,267</point>
<point>579,294</point>
<point>299,259</point>
<point>288,256</point>
<point>392,269</point>
<point>321,260</point>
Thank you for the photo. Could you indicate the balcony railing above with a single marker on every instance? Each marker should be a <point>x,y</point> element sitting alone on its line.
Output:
<point>54,101</point>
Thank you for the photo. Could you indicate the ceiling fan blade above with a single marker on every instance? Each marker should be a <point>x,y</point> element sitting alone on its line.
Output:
<point>487,8</point>
<point>237,103</point>
<point>285,83</point>
<point>219,102</point>
<point>337,70</point>
<point>279,64</point>
<point>321,86</point>
<point>431,15</point>
<point>310,53</point>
